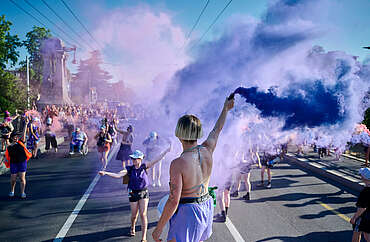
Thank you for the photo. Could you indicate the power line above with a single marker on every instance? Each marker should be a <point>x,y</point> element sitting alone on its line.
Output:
<point>43,15</point>
<point>78,20</point>
<point>197,21</point>
<point>213,23</point>
<point>37,20</point>
<point>66,24</point>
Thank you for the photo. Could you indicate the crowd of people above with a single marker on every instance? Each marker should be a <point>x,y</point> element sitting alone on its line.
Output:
<point>189,209</point>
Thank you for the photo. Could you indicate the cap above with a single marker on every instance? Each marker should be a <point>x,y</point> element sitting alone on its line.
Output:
<point>78,129</point>
<point>365,173</point>
<point>153,135</point>
<point>137,155</point>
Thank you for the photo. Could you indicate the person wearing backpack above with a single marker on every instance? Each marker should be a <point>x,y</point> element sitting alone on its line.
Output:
<point>17,157</point>
<point>138,187</point>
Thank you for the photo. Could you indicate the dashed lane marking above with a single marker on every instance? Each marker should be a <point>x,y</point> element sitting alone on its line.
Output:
<point>344,217</point>
<point>68,224</point>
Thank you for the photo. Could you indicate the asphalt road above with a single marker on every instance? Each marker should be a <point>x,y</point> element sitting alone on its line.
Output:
<point>299,207</point>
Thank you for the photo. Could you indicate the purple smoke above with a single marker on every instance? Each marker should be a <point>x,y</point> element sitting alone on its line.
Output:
<point>303,104</point>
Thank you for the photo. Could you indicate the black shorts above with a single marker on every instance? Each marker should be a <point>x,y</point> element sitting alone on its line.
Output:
<point>136,195</point>
<point>362,224</point>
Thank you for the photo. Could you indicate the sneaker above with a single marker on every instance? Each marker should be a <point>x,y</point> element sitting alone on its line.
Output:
<point>234,194</point>
<point>221,218</point>
<point>23,195</point>
<point>81,152</point>
<point>71,152</point>
<point>159,184</point>
<point>268,185</point>
<point>247,196</point>
<point>11,194</point>
<point>217,216</point>
<point>153,185</point>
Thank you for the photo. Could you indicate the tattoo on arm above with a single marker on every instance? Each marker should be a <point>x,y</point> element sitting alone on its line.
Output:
<point>173,187</point>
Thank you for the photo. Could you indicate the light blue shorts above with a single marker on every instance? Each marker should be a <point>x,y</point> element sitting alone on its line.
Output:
<point>192,222</point>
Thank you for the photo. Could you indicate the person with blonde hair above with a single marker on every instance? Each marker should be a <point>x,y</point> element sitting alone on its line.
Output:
<point>189,208</point>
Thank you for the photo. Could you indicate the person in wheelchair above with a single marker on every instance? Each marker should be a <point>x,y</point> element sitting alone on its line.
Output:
<point>78,140</point>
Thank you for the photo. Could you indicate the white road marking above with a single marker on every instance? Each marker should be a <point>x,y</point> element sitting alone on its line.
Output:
<point>234,232</point>
<point>68,224</point>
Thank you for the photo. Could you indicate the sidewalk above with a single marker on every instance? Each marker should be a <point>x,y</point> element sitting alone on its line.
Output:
<point>4,170</point>
<point>344,171</point>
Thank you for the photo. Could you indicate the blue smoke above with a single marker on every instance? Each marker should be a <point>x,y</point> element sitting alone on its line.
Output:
<point>302,105</point>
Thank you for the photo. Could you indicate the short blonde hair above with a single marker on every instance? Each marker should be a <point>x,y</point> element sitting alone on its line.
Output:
<point>189,127</point>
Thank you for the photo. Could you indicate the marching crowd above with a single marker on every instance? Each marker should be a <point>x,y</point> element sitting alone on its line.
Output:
<point>189,208</point>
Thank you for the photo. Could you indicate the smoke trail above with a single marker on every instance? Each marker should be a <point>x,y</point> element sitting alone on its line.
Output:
<point>303,104</point>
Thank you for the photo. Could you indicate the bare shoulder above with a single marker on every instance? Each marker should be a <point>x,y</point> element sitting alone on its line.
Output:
<point>208,147</point>
<point>177,164</point>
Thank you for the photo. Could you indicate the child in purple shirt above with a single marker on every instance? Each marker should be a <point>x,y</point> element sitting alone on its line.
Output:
<point>138,187</point>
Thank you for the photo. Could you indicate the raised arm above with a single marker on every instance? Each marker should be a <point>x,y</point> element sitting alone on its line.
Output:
<point>211,141</point>
<point>24,135</point>
<point>112,174</point>
<point>173,199</point>
<point>160,157</point>
<point>118,130</point>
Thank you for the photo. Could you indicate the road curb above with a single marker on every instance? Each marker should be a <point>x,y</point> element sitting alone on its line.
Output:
<point>350,182</point>
<point>4,170</point>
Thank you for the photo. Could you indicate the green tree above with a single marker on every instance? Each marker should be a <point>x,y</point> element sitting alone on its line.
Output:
<point>91,75</point>
<point>13,93</point>
<point>33,44</point>
<point>8,44</point>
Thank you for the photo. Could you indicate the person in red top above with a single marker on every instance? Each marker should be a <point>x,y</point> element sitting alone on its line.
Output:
<point>17,157</point>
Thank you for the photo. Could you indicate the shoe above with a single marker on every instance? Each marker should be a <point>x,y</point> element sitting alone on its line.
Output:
<point>260,184</point>
<point>221,218</point>
<point>268,185</point>
<point>153,185</point>
<point>217,216</point>
<point>11,194</point>
<point>71,153</point>
<point>81,152</point>
<point>132,232</point>
<point>159,184</point>
<point>235,194</point>
<point>247,196</point>
<point>23,195</point>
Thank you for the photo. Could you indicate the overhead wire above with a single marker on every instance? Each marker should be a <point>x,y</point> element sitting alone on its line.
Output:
<point>66,24</point>
<point>78,20</point>
<point>196,22</point>
<point>212,24</point>
<point>53,23</point>
<point>37,20</point>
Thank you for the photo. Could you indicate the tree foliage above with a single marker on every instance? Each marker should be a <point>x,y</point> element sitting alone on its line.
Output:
<point>91,75</point>
<point>13,94</point>
<point>8,44</point>
<point>33,44</point>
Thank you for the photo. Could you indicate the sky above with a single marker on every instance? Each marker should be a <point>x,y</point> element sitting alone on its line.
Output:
<point>151,34</point>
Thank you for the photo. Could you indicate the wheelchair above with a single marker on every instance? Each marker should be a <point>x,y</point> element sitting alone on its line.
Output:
<point>84,149</point>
